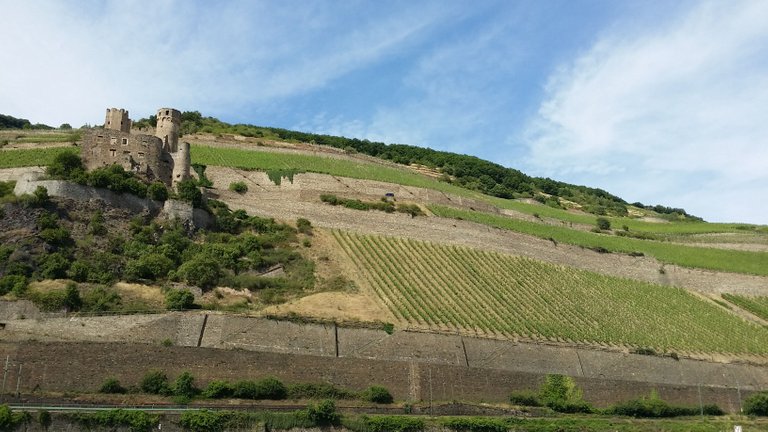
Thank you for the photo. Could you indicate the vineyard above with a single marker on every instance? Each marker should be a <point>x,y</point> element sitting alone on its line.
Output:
<point>756,305</point>
<point>687,256</point>
<point>31,157</point>
<point>452,288</point>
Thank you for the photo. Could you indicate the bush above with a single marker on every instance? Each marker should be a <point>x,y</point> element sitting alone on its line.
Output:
<point>55,236</point>
<point>189,191</point>
<point>304,226</point>
<point>65,165</point>
<point>39,198</point>
<point>218,390</point>
<point>757,404</point>
<point>324,413</point>
<point>53,266</point>
<point>267,388</point>
<point>392,424</point>
<point>476,424</point>
<point>184,386</point>
<point>150,266</point>
<point>603,224</point>
<point>239,187</point>
<point>411,209</point>
<point>318,391</point>
<point>525,398</point>
<point>157,191</point>
<point>200,271</point>
<point>155,382</point>
<point>112,386</point>
<point>560,393</point>
<point>377,394</point>
<point>179,300</point>
<point>13,283</point>
<point>654,407</point>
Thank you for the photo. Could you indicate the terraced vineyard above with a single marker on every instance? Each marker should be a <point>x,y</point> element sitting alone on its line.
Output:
<point>755,305</point>
<point>455,288</point>
<point>31,157</point>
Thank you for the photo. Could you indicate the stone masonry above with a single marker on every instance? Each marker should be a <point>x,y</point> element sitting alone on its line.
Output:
<point>156,158</point>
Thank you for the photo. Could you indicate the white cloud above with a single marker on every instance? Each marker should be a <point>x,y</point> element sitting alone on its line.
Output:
<point>674,115</point>
<point>70,61</point>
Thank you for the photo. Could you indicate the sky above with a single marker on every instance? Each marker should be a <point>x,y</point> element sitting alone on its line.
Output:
<point>655,101</point>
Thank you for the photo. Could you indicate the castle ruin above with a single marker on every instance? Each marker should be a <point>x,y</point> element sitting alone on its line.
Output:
<point>156,157</point>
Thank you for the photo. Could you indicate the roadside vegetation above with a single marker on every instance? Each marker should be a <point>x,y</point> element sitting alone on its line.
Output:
<point>454,288</point>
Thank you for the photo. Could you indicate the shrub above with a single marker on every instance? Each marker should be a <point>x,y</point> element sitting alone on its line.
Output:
<point>267,388</point>
<point>476,424</point>
<point>44,418</point>
<point>377,394</point>
<point>318,391</point>
<point>184,386</point>
<point>411,209</point>
<point>179,299</point>
<point>55,236</point>
<point>101,299</point>
<point>304,226</point>
<point>654,407</point>
<point>13,283</point>
<point>150,266</point>
<point>525,398</point>
<point>757,404</point>
<point>9,419</point>
<point>190,192</point>
<point>53,266</point>
<point>65,165</point>
<point>324,413</point>
<point>112,386</point>
<point>218,390</point>
<point>239,187</point>
<point>39,198</point>
<point>603,224</point>
<point>561,394</point>
<point>155,382</point>
<point>392,424</point>
<point>157,191</point>
<point>200,271</point>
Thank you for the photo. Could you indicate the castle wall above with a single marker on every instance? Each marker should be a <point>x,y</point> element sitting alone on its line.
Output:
<point>142,154</point>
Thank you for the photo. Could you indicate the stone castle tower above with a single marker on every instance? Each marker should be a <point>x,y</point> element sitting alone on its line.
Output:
<point>156,158</point>
<point>117,119</point>
<point>167,129</point>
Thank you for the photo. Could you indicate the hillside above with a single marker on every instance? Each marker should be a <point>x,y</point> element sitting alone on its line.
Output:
<point>311,233</point>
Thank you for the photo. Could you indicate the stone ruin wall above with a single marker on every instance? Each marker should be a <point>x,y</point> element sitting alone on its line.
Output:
<point>142,154</point>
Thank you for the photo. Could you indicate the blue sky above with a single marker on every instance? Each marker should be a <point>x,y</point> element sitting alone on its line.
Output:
<point>655,101</point>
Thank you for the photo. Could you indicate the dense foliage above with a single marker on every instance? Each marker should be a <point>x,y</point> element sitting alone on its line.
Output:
<point>10,122</point>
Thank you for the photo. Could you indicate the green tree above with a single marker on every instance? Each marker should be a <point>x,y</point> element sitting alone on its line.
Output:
<point>179,300</point>
<point>157,191</point>
<point>189,191</point>
<point>72,300</point>
<point>65,165</point>
<point>201,271</point>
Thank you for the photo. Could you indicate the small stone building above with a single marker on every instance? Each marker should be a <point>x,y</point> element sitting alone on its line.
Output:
<point>154,157</point>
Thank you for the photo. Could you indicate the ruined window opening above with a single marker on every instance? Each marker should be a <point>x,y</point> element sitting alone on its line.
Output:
<point>125,141</point>
<point>113,140</point>
<point>101,136</point>
<point>141,154</point>
<point>166,112</point>
<point>113,152</point>
<point>126,152</point>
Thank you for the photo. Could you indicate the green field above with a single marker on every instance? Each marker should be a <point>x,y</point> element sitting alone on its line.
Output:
<point>449,287</point>
<point>756,305</point>
<point>687,256</point>
<point>31,157</point>
<point>266,161</point>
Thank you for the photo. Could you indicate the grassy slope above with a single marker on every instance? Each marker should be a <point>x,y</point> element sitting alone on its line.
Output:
<point>435,285</point>
<point>708,258</point>
<point>755,305</point>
